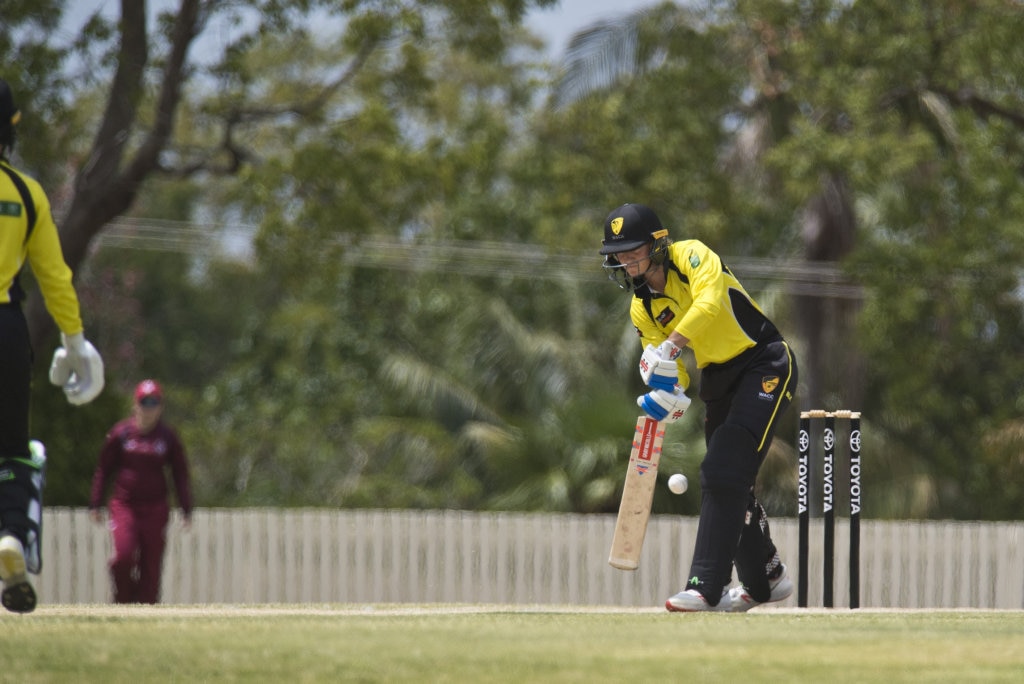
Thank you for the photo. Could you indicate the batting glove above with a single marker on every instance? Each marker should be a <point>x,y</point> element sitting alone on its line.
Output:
<point>662,405</point>
<point>658,366</point>
<point>77,368</point>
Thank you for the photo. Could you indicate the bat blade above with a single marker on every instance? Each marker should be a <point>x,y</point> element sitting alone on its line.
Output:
<point>637,494</point>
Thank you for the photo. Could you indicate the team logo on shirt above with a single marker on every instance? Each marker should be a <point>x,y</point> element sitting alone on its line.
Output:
<point>10,209</point>
<point>694,260</point>
<point>768,385</point>
<point>666,316</point>
<point>156,448</point>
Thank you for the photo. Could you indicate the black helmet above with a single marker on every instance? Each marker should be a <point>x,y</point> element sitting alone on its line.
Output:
<point>9,114</point>
<point>628,227</point>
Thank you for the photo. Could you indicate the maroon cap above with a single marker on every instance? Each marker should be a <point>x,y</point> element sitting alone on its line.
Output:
<point>148,388</point>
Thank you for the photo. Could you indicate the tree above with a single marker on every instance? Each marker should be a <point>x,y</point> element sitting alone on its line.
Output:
<point>892,134</point>
<point>392,162</point>
<point>168,115</point>
<point>423,321</point>
<point>137,137</point>
<point>414,432</point>
<point>724,63</point>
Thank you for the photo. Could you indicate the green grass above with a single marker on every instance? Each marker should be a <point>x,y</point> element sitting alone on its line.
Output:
<point>505,644</point>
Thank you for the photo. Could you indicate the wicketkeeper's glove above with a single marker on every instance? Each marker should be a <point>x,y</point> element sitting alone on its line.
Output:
<point>78,369</point>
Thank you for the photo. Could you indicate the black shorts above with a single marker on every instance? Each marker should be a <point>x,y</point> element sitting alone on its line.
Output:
<point>752,391</point>
<point>15,381</point>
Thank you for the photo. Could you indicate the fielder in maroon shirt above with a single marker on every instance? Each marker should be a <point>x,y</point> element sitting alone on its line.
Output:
<point>136,454</point>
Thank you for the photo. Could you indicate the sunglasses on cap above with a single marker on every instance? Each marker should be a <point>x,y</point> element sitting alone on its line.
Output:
<point>149,402</point>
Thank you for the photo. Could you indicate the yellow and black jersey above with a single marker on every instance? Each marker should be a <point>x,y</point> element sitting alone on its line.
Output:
<point>27,231</point>
<point>704,302</point>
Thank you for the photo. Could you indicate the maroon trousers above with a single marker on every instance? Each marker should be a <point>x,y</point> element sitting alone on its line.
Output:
<point>140,537</point>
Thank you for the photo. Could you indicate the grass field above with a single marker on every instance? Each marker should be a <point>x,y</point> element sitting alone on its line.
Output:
<point>466,643</point>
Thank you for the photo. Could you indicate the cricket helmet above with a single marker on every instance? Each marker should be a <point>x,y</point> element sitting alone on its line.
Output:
<point>627,228</point>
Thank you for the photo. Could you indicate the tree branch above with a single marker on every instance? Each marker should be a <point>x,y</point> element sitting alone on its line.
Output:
<point>122,106</point>
<point>103,190</point>
<point>986,109</point>
<point>240,116</point>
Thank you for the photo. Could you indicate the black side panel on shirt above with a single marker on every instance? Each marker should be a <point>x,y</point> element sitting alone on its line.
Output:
<point>753,322</point>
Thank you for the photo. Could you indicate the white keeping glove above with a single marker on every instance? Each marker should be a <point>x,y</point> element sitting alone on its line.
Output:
<point>658,366</point>
<point>662,405</point>
<point>78,369</point>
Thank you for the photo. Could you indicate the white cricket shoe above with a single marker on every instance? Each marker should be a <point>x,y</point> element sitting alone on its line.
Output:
<point>692,601</point>
<point>18,594</point>
<point>781,588</point>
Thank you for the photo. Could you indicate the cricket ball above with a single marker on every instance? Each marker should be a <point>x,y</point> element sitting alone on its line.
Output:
<point>678,483</point>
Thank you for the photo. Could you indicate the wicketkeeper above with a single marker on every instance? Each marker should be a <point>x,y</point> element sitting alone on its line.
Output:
<point>684,296</point>
<point>27,232</point>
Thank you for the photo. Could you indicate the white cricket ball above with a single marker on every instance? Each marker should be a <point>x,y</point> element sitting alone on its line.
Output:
<point>678,483</point>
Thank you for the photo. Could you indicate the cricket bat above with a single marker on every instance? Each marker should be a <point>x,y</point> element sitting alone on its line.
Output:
<point>637,494</point>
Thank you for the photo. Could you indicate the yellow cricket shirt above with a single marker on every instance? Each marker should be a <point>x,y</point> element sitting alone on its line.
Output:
<point>41,248</point>
<point>705,303</point>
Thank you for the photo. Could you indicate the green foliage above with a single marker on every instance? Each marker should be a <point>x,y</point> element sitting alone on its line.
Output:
<point>941,261</point>
<point>403,432</point>
<point>878,97</point>
<point>366,356</point>
<point>31,61</point>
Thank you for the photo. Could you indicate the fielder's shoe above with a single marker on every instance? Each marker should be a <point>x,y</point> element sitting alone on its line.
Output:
<point>741,601</point>
<point>18,595</point>
<point>692,601</point>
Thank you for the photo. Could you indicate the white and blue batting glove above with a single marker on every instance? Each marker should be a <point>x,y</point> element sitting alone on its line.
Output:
<point>658,366</point>
<point>666,406</point>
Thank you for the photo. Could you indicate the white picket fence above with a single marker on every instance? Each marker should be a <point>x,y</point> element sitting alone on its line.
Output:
<point>255,556</point>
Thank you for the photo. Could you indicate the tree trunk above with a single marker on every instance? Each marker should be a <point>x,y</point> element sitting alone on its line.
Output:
<point>107,185</point>
<point>830,367</point>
